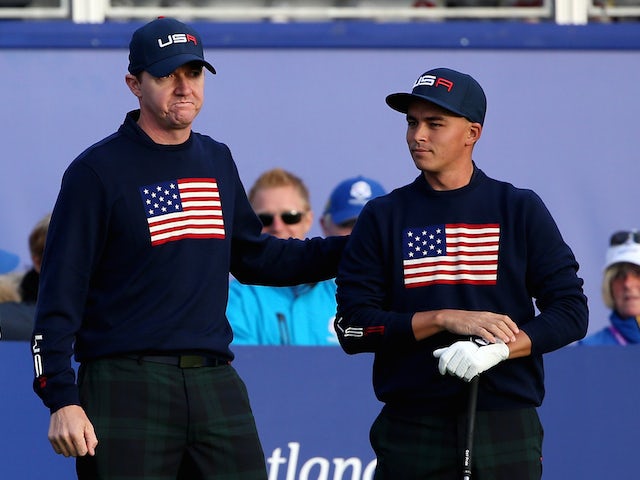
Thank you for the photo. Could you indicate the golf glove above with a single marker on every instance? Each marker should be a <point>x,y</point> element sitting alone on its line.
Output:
<point>466,359</point>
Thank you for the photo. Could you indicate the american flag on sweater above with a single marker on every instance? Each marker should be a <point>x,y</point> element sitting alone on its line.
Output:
<point>451,253</point>
<point>183,208</point>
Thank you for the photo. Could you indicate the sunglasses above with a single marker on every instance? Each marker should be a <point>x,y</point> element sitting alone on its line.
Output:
<point>290,218</point>
<point>622,237</point>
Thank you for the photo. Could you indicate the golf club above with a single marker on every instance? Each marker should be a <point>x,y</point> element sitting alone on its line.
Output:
<point>471,420</point>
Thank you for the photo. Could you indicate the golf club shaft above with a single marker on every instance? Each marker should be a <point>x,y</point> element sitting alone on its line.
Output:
<point>471,420</point>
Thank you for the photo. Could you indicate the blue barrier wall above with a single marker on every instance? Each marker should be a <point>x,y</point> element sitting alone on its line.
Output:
<point>314,407</point>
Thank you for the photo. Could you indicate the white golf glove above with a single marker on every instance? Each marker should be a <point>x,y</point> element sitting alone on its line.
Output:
<point>466,359</point>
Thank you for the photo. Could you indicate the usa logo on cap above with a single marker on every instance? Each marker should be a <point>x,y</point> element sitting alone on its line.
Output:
<point>162,46</point>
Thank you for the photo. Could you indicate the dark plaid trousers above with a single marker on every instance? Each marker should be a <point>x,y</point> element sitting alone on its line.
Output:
<point>507,446</point>
<point>163,422</point>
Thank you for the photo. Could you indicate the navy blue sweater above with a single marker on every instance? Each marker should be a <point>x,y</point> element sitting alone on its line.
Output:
<point>485,247</point>
<point>123,274</point>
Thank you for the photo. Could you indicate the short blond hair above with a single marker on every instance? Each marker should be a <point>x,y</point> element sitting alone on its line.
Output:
<point>278,177</point>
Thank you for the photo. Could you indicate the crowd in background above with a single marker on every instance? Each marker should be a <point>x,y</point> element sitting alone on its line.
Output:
<point>259,315</point>
<point>19,289</point>
<point>304,314</point>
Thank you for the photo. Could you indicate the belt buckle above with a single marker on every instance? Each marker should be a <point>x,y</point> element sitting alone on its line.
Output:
<point>191,361</point>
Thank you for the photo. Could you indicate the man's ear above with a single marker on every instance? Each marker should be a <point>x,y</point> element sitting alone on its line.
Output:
<point>134,84</point>
<point>475,132</point>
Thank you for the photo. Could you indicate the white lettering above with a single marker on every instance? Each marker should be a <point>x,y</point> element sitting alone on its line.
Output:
<point>275,460</point>
<point>428,80</point>
<point>180,37</point>
<point>177,38</point>
<point>356,332</point>
<point>168,42</point>
<point>318,468</point>
<point>293,460</point>
<point>370,470</point>
<point>37,365</point>
<point>35,348</point>
<point>323,463</point>
<point>37,359</point>
<point>342,464</point>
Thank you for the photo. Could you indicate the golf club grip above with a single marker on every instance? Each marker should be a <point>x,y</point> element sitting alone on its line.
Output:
<point>471,421</point>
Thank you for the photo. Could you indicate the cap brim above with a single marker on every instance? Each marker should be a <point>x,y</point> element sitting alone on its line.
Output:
<point>168,65</point>
<point>345,215</point>
<point>401,101</point>
<point>8,261</point>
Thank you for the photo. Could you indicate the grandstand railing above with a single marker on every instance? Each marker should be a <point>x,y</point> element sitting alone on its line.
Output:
<point>98,11</point>
<point>35,11</point>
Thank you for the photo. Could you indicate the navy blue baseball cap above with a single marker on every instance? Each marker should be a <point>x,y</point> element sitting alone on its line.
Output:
<point>454,91</point>
<point>349,196</point>
<point>161,46</point>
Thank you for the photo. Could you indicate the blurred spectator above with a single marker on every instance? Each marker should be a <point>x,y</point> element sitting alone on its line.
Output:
<point>298,315</point>
<point>303,314</point>
<point>345,204</point>
<point>16,318</point>
<point>621,291</point>
<point>18,293</point>
<point>281,201</point>
<point>29,283</point>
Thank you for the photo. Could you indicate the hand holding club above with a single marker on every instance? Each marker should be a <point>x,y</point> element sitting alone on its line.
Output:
<point>468,358</point>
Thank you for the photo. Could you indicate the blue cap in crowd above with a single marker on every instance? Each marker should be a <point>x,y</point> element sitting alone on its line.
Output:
<point>8,261</point>
<point>161,46</point>
<point>348,198</point>
<point>454,91</point>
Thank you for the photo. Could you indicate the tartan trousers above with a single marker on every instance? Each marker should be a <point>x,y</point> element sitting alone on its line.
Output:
<point>507,446</point>
<point>163,422</point>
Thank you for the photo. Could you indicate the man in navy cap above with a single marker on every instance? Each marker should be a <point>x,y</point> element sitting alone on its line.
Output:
<point>439,280</point>
<point>148,224</point>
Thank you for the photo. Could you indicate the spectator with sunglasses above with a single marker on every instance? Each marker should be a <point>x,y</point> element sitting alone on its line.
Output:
<point>302,314</point>
<point>297,315</point>
<point>281,201</point>
<point>621,292</point>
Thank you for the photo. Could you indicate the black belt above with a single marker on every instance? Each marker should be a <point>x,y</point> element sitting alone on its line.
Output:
<point>182,361</point>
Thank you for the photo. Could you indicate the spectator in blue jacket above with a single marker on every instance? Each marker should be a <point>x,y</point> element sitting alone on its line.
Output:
<point>301,314</point>
<point>621,291</point>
